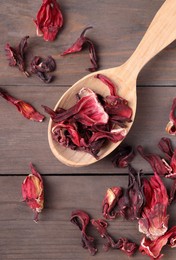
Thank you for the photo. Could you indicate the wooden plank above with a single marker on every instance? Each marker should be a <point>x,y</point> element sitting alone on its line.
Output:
<point>54,237</point>
<point>22,140</point>
<point>116,35</point>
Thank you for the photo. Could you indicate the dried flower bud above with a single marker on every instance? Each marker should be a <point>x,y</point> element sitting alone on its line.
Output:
<point>33,191</point>
<point>110,200</point>
<point>49,20</point>
<point>16,55</point>
<point>154,220</point>
<point>24,108</point>
<point>78,46</point>
<point>171,126</point>
<point>81,219</point>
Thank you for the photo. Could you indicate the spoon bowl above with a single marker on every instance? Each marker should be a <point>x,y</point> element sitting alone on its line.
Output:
<point>161,32</point>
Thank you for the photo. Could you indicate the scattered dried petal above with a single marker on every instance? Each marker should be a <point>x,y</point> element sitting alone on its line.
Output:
<point>154,221</point>
<point>24,108</point>
<point>124,155</point>
<point>41,67</point>
<point>16,55</point>
<point>81,219</point>
<point>110,200</point>
<point>78,46</point>
<point>171,126</point>
<point>33,191</point>
<point>153,248</point>
<point>123,244</point>
<point>49,20</point>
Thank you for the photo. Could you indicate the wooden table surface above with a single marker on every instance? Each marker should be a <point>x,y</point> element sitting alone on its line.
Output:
<point>118,27</point>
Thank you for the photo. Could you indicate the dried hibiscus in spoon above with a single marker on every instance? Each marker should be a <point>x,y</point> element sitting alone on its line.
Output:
<point>78,46</point>
<point>24,108</point>
<point>16,56</point>
<point>171,126</point>
<point>41,67</point>
<point>88,124</point>
<point>49,20</point>
<point>33,191</point>
<point>81,219</point>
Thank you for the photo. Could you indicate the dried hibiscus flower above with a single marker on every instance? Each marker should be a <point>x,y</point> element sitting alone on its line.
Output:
<point>123,244</point>
<point>16,56</point>
<point>110,201</point>
<point>81,219</point>
<point>154,220</point>
<point>153,248</point>
<point>49,20</point>
<point>86,126</point>
<point>171,126</point>
<point>123,156</point>
<point>24,108</point>
<point>33,191</point>
<point>41,67</point>
<point>78,46</point>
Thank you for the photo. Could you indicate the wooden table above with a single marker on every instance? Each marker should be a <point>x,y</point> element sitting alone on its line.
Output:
<point>118,27</point>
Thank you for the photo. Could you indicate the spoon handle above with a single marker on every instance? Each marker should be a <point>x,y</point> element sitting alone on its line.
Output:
<point>161,32</point>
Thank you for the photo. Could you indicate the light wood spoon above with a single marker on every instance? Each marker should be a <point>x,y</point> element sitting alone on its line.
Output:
<point>161,32</point>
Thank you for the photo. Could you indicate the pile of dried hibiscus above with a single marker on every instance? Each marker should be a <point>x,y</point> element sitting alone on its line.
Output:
<point>92,121</point>
<point>145,200</point>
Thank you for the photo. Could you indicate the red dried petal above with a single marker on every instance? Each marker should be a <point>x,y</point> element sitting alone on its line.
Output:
<point>81,219</point>
<point>33,191</point>
<point>171,126</point>
<point>154,221</point>
<point>153,248</point>
<point>124,155</point>
<point>110,200</point>
<point>49,20</point>
<point>16,55</point>
<point>78,46</point>
<point>24,108</point>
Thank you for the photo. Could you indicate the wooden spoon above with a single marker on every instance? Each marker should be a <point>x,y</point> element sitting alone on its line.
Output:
<point>161,32</point>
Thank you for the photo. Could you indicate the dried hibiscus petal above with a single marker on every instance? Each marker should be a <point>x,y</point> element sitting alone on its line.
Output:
<point>154,220</point>
<point>16,55</point>
<point>110,200</point>
<point>49,20</point>
<point>24,108</point>
<point>41,67</point>
<point>153,248</point>
<point>171,126</point>
<point>124,155</point>
<point>33,191</point>
<point>78,46</point>
<point>123,244</point>
<point>81,219</point>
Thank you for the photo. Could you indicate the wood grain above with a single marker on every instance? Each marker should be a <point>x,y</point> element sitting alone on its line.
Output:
<point>22,140</point>
<point>116,37</point>
<point>54,237</point>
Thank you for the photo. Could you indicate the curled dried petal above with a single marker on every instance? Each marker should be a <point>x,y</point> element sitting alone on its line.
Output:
<point>78,46</point>
<point>153,248</point>
<point>16,56</point>
<point>171,126</point>
<point>24,108</point>
<point>49,20</point>
<point>124,155</point>
<point>41,67</point>
<point>33,191</point>
<point>81,219</point>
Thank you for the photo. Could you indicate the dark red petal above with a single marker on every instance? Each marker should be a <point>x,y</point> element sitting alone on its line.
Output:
<point>171,126</point>
<point>124,155</point>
